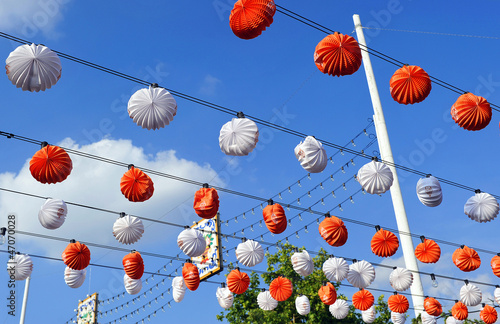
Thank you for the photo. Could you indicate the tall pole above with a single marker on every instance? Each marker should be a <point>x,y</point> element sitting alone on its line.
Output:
<point>25,299</point>
<point>384,144</point>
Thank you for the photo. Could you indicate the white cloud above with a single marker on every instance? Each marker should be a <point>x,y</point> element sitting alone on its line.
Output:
<point>97,184</point>
<point>209,85</point>
<point>29,17</point>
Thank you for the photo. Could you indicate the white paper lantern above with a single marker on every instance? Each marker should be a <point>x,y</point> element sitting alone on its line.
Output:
<point>429,191</point>
<point>311,155</point>
<point>401,279</point>
<point>302,263</point>
<point>398,318</point>
<point>225,297</point>
<point>496,294</point>
<point>453,320</point>
<point>191,242</point>
<point>33,67</point>
<point>128,229</point>
<point>239,136</point>
<point>250,253</point>
<point>369,315</point>
<point>339,309</point>
<point>74,278</point>
<point>53,213</point>
<point>335,269</point>
<point>482,207</point>
<point>302,305</point>
<point>178,289</point>
<point>361,274</point>
<point>152,108</point>
<point>132,286</point>
<point>20,266</point>
<point>266,301</point>
<point>375,177</point>
<point>428,319</point>
<point>470,295</point>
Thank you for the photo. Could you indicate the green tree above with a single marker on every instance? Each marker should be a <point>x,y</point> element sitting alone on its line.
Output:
<point>246,310</point>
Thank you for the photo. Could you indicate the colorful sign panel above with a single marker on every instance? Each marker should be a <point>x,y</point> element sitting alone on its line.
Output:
<point>210,262</point>
<point>87,310</point>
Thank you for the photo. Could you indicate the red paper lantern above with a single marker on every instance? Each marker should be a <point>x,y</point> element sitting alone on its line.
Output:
<point>471,112</point>
<point>237,281</point>
<point>410,84</point>
<point>384,243</point>
<point>249,18</point>
<point>432,306</point>
<point>333,231</point>
<point>495,265</point>
<point>327,294</point>
<point>428,251</point>
<point>191,276</point>
<point>51,164</point>
<point>459,311</point>
<point>206,202</point>
<point>398,303</point>
<point>275,218</point>
<point>362,300</point>
<point>466,259</point>
<point>136,186</point>
<point>338,54</point>
<point>488,314</point>
<point>76,255</point>
<point>133,265</point>
<point>281,288</point>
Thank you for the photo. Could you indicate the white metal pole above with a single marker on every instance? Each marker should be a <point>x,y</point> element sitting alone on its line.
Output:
<point>25,299</point>
<point>384,144</point>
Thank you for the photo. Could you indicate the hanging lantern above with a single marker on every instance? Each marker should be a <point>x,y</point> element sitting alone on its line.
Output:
<point>428,319</point>
<point>274,217</point>
<point>459,311</point>
<point>238,281</point>
<point>361,274</point>
<point>428,251</point>
<point>132,286</point>
<point>178,289</point>
<point>224,297</point>
<point>384,243</point>
<point>249,18</point>
<point>471,112</point>
<point>191,276</point>
<point>429,191</point>
<point>368,315</point>
<point>398,303</point>
<point>339,309</point>
<point>470,294</point>
<point>74,278</point>
<point>337,55</point>
<point>33,67</point>
<point>302,263</point>
<point>302,305</point>
<point>466,259</point>
<point>362,300</point>
<point>311,155</point>
<point>133,265</point>
<point>432,306</point>
<point>327,293</point>
<point>266,301</point>
<point>128,229</point>
<point>398,318</point>
<point>51,164</point>
<point>410,84</point>
<point>496,294</point>
<point>249,253</point>
<point>206,202</point>
<point>136,186</point>
<point>22,266</point>
<point>239,136</point>
<point>281,288</point>
<point>76,255</point>
<point>488,314</point>
<point>52,214</point>
<point>335,269</point>
<point>401,279</point>
<point>375,177</point>
<point>191,242</point>
<point>452,320</point>
<point>482,207</point>
<point>495,265</point>
<point>152,108</point>
<point>333,231</point>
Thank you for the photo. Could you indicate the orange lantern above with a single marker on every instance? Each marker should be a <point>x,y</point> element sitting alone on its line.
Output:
<point>249,18</point>
<point>471,112</point>
<point>237,281</point>
<point>398,303</point>
<point>275,217</point>
<point>428,251</point>
<point>51,164</point>
<point>191,276</point>
<point>338,54</point>
<point>362,300</point>
<point>384,243</point>
<point>135,185</point>
<point>333,230</point>
<point>206,202</point>
<point>495,265</point>
<point>410,84</point>
<point>327,294</point>
<point>432,306</point>
<point>488,314</point>
<point>459,311</point>
<point>76,255</point>
<point>133,265</point>
<point>281,288</point>
<point>466,259</point>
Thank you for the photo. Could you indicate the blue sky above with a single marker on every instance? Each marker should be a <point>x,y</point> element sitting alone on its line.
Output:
<point>189,47</point>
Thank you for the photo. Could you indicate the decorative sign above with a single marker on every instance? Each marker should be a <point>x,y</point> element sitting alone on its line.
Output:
<point>210,262</point>
<point>87,310</point>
